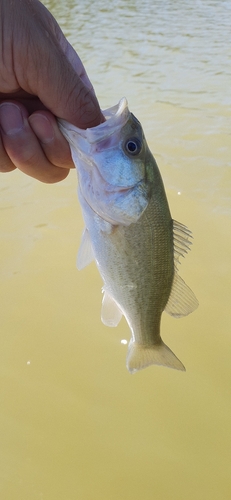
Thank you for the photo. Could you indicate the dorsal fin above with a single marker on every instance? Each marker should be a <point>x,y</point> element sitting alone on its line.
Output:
<point>182,300</point>
<point>182,237</point>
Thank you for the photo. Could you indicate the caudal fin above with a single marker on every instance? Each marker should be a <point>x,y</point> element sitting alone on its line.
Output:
<point>140,356</point>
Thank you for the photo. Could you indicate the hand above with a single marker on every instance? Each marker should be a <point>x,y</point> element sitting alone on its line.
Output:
<point>41,77</point>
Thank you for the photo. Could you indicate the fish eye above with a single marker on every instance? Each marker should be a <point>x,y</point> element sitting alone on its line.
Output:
<point>133,146</point>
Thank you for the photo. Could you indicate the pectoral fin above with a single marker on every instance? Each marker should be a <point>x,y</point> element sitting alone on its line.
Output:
<point>182,300</point>
<point>110,312</point>
<point>85,254</point>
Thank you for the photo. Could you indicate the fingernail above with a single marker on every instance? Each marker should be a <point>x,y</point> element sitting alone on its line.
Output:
<point>42,127</point>
<point>11,118</point>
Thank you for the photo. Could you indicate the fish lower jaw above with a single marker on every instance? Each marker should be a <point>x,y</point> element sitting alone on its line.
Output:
<point>141,356</point>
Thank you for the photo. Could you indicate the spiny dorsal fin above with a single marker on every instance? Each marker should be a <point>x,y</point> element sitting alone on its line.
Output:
<point>110,312</point>
<point>85,254</point>
<point>182,300</point>
<point>182,241</point>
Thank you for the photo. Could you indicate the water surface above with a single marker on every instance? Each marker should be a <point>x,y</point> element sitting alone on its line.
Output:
<point>73,423</point>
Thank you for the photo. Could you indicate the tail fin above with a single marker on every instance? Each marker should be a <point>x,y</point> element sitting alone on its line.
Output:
<point>140,356</point>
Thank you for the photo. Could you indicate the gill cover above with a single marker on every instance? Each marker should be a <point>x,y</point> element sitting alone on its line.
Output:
<point>110,162</point>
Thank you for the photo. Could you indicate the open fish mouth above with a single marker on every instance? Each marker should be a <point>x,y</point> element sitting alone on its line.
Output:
<point>101,154</point>
<point>112,179</point>
<point>115,119</point>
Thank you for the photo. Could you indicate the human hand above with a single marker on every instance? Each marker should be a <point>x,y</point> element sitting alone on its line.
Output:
<point>41,78</point>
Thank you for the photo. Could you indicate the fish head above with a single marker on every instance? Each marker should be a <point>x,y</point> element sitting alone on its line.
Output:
<point>112,163</point>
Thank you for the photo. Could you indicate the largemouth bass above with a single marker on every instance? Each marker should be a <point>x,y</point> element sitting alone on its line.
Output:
<point>130,233</point>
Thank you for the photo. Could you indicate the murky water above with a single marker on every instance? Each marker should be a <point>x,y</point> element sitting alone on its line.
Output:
<point>73,423</point>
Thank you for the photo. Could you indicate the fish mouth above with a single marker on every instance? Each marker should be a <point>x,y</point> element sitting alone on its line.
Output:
<point>115,119</point>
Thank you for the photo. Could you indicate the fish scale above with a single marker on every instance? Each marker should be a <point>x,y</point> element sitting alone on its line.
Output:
<point>130,233</point>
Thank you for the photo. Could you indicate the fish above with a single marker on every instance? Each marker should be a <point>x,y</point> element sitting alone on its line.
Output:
<point>129,233</point>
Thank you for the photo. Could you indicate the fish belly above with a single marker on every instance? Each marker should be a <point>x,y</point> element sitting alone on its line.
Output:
<point>136,265</point>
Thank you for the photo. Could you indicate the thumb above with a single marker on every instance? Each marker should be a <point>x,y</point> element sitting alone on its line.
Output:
<point>63,92</point>
<point>49,69</point>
